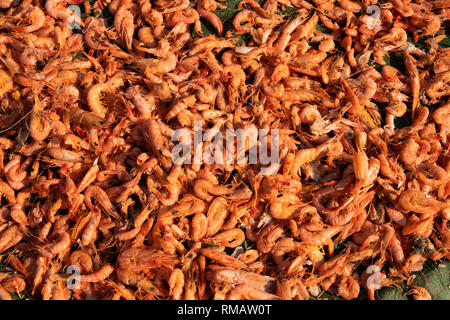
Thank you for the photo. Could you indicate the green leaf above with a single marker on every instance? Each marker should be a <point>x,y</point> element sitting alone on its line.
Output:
<point>445,43</point>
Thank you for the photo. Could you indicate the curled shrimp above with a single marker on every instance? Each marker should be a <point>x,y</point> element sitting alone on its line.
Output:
<point>94,98</point>
<point>35,16</point>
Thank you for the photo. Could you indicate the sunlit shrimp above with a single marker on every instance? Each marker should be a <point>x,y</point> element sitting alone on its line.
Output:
<point>6,82</point>
<point>14,284</point>
<point>348,288</point>
<point>98,275</point>
<point>4,295</point>
<point>7,192</point>
<point>216,215</point>
<point>173,186</point>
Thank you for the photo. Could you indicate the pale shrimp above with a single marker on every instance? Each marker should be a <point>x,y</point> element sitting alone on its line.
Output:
<point>139,258</point>
<point>412,154</point>
<point>178,6</point>
<point>316,238</point>
<point>209,44</point>
<point>85,118</point>
<point>40,126</point>
<point>216,215</point>
<point>89,177</point>
<point>395,38</point>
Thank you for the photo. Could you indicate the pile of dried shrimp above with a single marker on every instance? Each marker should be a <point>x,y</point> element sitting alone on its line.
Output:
<point>94,206</point>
